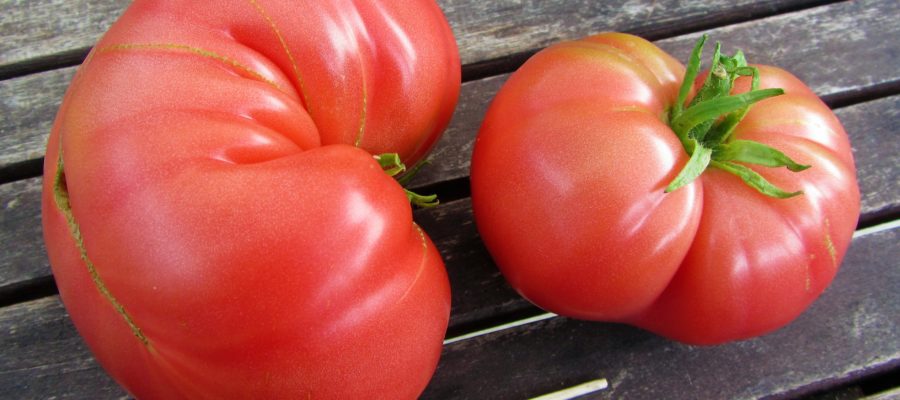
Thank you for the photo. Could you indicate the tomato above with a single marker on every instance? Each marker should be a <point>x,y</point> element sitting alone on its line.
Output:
<point>573,189</point>
<point>213,214</point>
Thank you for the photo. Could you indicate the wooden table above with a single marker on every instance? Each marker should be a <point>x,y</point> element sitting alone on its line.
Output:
<point>847,345</point>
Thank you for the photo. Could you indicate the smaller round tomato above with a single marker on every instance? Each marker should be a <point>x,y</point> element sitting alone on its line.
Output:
<point>607,186</point>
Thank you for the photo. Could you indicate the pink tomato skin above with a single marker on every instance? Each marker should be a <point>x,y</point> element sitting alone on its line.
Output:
<point>214,217</point>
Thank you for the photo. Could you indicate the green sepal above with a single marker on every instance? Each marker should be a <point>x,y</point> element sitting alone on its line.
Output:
<point>751,152</point>
<point>393,166</point>
<point>700,158</point>
<point>713,108</point>
<point>390,163</point>
<point>420,200</point>
<point>721,132</point>
<point>754,180</point>
<point>690,75</point>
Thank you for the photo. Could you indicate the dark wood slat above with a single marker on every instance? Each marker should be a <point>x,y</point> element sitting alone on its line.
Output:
<point>23,257</point>
<point>832,49</point>
<point>28,106</point>
<point>43,356</point>
<point>879,177</point>
<point>37,29</point>
<point>488,30</point>
<point>829,42</point>
<point>42,29</point>
<point>479,294</point>
<point>851,330</point>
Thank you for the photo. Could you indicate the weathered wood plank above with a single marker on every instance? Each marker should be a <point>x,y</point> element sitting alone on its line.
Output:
<point>43,356</point>
<point>851,330</point>
<point>829,43</point>
<point>23,257</point>
<point>488,30</point>
<point>28,106</point>
<point>832,49</point>
<point>40,29</point>
<point>34,29</point>
<point>879,176</point>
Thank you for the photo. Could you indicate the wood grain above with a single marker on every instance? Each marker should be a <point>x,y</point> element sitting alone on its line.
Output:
<point>43,356</point>
<point>28,106</point>
<point>43,29</point>
<point>24,257</point>
<point>36,29</point>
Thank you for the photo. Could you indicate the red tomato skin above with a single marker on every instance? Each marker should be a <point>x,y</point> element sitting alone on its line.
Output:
<point>222,203</point>
<point>749,273</point>
<point>568,178</point>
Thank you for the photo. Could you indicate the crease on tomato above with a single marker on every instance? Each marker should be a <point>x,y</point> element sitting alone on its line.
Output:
<point>365,105</point>
<point>192,50</point>
<point>61,200</point>
<point>422,264</point>
<point>296,70</point>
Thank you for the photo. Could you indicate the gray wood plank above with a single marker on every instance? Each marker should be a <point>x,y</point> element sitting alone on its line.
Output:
<point>851,330</point>
<point>829,43</point>
<point>27,108</point>
<point>879,176</point>
<point>24,257</point>
<point>487,30</point>
<point>43,357</point>
<point>832,49</point>
<point>40,29</point>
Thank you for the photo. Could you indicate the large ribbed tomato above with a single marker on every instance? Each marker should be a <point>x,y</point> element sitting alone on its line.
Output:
<point>569,188</point>
<point>214,217</point>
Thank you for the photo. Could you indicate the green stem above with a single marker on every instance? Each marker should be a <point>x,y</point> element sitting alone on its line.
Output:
<point>393,166</point>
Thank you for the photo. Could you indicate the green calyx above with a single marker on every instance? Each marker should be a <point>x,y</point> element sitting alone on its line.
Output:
<point>705,126</point>
<point>394,167</point>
